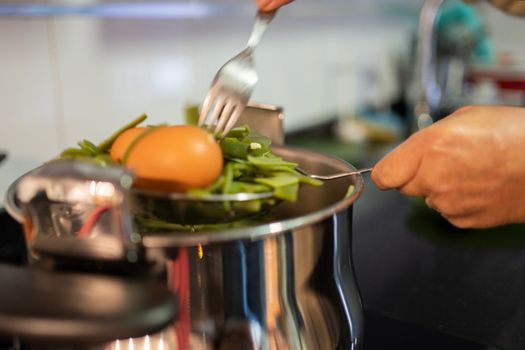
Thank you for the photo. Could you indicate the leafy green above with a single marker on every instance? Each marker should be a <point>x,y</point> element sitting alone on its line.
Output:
<point>88,151</point>
<point>249,167</point>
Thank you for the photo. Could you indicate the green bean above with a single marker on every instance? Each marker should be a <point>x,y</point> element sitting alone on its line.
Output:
<point>288,193</point>
<point>103,159</point>
<point>73,153</point>
<point>234,148</point>
<point>309,181</point>
<point>89,147</point>
<point>270,162</point>
<point>350,191</point>
<point>240,133</point>
<point>105,145</point>
<point>191,113</point>
<point>228,178</point>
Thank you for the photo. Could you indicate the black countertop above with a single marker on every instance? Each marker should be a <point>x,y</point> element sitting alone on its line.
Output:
<point>413,266</point>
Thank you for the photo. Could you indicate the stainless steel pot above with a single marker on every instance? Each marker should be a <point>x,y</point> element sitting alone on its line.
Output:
<point>283,280</point>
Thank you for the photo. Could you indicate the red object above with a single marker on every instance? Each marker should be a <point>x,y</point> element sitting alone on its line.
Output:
<point>179,283</point>
<point>86,229</point>
<point>505,79</point>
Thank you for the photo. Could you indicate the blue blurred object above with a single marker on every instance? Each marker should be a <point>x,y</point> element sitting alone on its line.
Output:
<point>144,9</point>
<point>461,31</point>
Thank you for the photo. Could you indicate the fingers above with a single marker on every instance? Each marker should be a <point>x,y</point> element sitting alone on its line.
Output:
<point>269,5</point>
<point>400,167</point>
<point>263,4</point>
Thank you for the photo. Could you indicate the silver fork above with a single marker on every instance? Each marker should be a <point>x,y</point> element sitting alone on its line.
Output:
<point>233,84</point>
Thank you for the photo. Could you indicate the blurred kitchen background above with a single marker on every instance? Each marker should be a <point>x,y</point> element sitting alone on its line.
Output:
<point>80,69</point>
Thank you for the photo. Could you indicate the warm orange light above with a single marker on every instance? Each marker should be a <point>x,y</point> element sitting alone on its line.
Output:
<point>200,252</point>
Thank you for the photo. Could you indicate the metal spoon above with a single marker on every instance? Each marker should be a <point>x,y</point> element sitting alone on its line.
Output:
<point>333,176</point>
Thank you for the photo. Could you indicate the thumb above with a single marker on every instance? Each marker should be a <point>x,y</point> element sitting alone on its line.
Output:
<point>400,166</point>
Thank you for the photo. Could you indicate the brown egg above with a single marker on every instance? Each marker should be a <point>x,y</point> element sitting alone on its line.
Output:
<point>171,158</point>
<point>121,144</point>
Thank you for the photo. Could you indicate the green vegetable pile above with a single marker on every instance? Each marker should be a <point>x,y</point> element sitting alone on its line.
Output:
<point>98,154</point>
<point>249,164</point>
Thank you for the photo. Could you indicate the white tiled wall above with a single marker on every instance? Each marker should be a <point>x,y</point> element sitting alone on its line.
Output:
<point>28,128</point>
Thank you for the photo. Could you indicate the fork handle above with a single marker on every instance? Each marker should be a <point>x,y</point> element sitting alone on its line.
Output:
<point>262,20</point>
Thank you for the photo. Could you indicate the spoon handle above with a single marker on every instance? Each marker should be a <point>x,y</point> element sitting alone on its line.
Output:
<point>336,176</point>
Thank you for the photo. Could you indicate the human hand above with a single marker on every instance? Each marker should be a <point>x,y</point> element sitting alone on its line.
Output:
<point>470,166</point>
<point>269,5</point>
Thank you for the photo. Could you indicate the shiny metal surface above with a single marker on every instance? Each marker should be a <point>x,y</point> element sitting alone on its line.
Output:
<point>282,281</point>
<point>264,119</point>
<point>75,209</point>
<point>233,84</point>
<point>333,176</point>
<point>285,281</point>
<point>295,290</point>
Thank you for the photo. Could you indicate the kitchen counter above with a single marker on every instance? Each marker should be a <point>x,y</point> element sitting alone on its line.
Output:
<point>412,266</point>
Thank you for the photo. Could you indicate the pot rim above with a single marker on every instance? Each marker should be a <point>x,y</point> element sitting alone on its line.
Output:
<point>187,239</point>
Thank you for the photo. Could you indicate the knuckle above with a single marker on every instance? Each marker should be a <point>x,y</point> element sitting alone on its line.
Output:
<point>463,223</point>
<point>446,206</point>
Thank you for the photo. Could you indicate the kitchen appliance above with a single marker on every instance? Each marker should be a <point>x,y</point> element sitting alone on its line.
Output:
<point>283,280</point>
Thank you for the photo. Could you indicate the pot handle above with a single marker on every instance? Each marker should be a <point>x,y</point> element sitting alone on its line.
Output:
<point>76,210</point>
<point>11,205</point>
